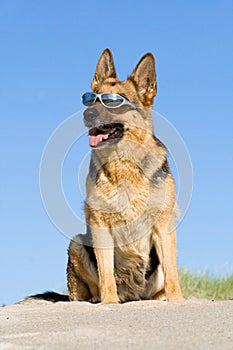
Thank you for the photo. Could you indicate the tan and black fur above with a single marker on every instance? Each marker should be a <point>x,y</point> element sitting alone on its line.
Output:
<point>129,250</point>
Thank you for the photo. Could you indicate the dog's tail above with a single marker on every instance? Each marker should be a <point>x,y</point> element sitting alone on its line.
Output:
<point>48,296</point>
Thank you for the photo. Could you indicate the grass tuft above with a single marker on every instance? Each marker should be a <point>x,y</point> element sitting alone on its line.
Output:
<point>203,286</point>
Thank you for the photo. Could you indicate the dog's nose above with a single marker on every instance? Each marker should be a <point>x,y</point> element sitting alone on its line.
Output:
<point>90,114</point>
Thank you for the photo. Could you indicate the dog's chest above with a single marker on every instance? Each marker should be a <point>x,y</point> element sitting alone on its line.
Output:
<point>118,185</point>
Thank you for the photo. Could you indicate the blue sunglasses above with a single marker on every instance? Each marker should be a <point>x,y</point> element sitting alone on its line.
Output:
<point>107,100</point>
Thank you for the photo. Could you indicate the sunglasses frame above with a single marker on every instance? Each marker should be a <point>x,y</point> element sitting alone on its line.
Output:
<point>99,97</point>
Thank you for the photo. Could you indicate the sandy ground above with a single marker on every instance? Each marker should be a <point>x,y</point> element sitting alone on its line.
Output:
<point>193,324</point>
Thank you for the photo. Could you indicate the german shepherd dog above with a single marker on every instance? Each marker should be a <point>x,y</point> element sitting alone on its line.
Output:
<point>129,250</point>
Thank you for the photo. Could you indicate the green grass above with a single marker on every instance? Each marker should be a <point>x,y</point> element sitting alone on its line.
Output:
<point>202,285</point>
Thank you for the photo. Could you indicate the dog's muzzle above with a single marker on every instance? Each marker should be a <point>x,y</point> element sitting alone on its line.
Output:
<point>102,130</point>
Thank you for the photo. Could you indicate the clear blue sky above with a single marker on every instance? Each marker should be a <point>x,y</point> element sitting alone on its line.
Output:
<point>49,50</point>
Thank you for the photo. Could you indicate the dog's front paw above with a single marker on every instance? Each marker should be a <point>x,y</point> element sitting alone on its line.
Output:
<point>110,300</point>
<point>176,297</point>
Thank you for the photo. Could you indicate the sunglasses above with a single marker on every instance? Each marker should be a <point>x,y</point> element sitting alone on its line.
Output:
<point>107,100</point>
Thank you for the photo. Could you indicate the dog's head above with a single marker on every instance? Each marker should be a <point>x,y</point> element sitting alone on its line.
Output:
<point>109,125</point>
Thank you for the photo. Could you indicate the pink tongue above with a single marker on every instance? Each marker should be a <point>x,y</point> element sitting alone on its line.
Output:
<point>95,139</point>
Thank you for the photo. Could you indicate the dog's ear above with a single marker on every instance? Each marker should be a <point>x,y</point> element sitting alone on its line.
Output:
<point>104,69</point>
<point>144,76</point>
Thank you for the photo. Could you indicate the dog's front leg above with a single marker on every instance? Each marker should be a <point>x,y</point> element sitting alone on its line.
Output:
<point>104,252</point>
<point>165,243</point>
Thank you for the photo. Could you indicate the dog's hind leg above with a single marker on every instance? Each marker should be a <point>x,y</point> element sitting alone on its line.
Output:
<point>156,281</point>
<point>155,285</point>
<point>82,273</point>
<point>78,290</point>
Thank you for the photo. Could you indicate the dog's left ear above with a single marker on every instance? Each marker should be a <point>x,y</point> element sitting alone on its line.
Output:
<point>104,69</point>
<point>144,76</point>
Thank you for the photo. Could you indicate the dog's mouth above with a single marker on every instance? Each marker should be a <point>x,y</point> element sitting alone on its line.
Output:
<point>105,133</point>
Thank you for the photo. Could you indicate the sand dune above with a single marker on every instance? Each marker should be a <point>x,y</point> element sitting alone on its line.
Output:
<point>193,324</point>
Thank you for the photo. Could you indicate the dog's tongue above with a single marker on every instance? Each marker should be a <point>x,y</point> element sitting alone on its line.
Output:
<point>96,139</point>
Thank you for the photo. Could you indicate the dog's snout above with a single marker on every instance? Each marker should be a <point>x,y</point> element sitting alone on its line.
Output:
<point>90,114</point>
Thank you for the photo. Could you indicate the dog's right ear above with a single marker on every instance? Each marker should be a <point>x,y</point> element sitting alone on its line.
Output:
<point>104,69</point>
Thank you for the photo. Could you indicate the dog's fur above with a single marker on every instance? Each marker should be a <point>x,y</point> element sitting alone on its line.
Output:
<point>129,250</point>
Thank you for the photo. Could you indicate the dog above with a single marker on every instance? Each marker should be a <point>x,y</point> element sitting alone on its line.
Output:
<point>129,250</point>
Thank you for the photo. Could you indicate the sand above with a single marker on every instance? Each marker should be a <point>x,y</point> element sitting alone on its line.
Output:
<point>193,324</point>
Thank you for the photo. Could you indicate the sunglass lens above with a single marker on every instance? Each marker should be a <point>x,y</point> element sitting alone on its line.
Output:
<point>112,100</point>
<point>88,98</point>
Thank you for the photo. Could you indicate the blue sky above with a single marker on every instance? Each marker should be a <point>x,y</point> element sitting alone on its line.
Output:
<point>49,50</point>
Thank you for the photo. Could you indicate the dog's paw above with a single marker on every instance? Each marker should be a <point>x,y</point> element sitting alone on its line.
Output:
<point>177,297</point>
<point>94,300</point>
<point>110,301</point>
